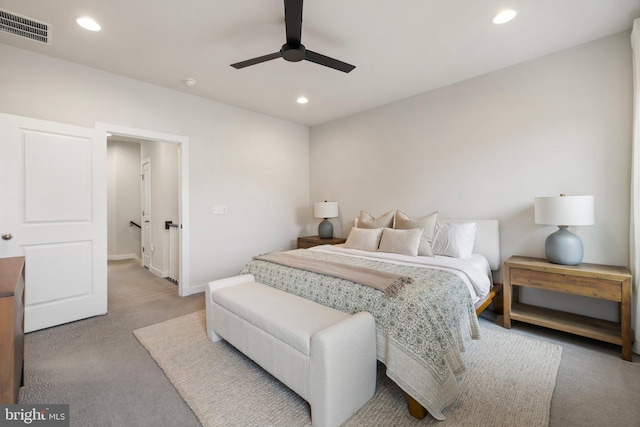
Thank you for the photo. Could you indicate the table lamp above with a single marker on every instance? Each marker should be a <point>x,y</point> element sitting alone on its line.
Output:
<point>325,210</point>
<point>564,247</point>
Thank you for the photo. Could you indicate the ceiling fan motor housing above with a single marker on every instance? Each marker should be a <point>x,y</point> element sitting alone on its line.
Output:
<point>293,53</point>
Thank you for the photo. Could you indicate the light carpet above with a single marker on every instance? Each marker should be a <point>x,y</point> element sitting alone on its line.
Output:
<point>509,382</point>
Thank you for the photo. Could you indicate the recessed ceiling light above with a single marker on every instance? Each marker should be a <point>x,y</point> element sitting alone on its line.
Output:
<point>88,24</point>
<point>504,16</point>
<point>190,82</point>
<point>302,100</point>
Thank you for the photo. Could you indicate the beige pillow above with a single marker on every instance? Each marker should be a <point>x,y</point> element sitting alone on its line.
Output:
<point>404,242</point>
<point>428,223</point>
<point>365,220</point>
<point>365,239</point>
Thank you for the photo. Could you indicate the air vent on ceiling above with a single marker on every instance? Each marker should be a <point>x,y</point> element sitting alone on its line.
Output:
<point>24,27</point>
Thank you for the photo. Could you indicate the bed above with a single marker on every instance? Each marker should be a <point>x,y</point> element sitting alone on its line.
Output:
<point>422,331</point>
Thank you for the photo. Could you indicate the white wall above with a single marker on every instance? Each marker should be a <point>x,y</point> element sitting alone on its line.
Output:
<point>123,199</point>
<point>254,164</point>
<point>485,147</point>
<point>164,199</point>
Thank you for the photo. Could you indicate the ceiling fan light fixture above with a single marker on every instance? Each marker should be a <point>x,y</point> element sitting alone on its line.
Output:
<point>302,100</point>
<point>88,23</point>
<point>504,16</point>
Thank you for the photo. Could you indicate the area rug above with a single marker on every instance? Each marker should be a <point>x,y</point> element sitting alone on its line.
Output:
<point>509,382</point>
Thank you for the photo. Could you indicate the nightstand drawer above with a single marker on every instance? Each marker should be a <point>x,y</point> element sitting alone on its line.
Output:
<point>576,285</point>
<point>302,244</point>
<point>311,241</point>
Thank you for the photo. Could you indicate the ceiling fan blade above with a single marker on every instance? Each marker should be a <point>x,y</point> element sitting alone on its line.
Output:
<point>293,21</point>
<point>257,60</point>
<point>328,62</point>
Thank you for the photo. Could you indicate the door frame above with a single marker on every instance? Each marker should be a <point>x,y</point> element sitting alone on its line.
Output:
<point>184,281</point>
<point>146,230</point>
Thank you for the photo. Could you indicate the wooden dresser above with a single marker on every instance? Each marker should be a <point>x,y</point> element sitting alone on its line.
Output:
<point>11,328</point>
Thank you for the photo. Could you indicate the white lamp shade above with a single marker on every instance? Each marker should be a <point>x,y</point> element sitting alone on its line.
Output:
<point>325,209</point>
<point>565,210</point>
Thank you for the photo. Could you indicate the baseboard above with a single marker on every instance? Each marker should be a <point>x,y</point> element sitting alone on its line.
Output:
<point>158,273</point>
<point>121,257</point>
<point>195,289</point>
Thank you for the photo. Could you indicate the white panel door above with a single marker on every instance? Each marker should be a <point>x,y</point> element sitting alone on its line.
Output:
<point>53,195</point>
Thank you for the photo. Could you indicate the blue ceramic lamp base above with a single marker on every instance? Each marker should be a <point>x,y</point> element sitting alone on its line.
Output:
<point>325,229</point>
<point>564,247</point>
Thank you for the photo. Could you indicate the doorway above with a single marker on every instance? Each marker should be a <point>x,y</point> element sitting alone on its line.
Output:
<point>182,142</point>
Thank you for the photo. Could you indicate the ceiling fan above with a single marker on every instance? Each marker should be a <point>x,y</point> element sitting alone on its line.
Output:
<point>293,50</point>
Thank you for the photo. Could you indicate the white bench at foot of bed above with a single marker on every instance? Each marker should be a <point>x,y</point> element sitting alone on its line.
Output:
<point>326,356</point>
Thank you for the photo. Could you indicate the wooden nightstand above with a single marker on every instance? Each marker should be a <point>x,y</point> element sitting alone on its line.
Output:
<point>591,280</point>
<point>311,241</point>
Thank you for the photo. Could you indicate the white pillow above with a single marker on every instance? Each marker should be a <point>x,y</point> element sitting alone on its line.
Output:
<point>454,239</point>
<point>428,223</point>
<point>404,242</point>
<point>365,239</point>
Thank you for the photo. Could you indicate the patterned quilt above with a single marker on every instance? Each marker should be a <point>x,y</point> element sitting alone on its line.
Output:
<point>421,333</point>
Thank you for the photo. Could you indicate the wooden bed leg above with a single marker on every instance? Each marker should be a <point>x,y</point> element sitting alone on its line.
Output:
<point>415,409</point>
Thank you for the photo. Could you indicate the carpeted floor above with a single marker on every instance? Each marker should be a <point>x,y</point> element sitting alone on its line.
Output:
<point>509,382</point>
<point>595,387</point>
<point>100,369</point>
<point>108,378</point>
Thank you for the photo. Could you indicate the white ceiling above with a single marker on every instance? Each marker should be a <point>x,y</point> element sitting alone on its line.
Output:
<point>400,48</point>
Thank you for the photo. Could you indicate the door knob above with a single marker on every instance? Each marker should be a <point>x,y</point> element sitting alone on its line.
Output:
<point>7,236</point>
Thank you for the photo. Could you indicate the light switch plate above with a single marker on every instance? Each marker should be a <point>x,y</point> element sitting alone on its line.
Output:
<point>219,210</point>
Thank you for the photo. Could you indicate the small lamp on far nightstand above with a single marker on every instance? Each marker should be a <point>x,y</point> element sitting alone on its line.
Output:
<point>325,210</point>
<point>564,247</point>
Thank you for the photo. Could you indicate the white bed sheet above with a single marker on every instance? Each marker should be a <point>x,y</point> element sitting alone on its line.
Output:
<point>474,270</point>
